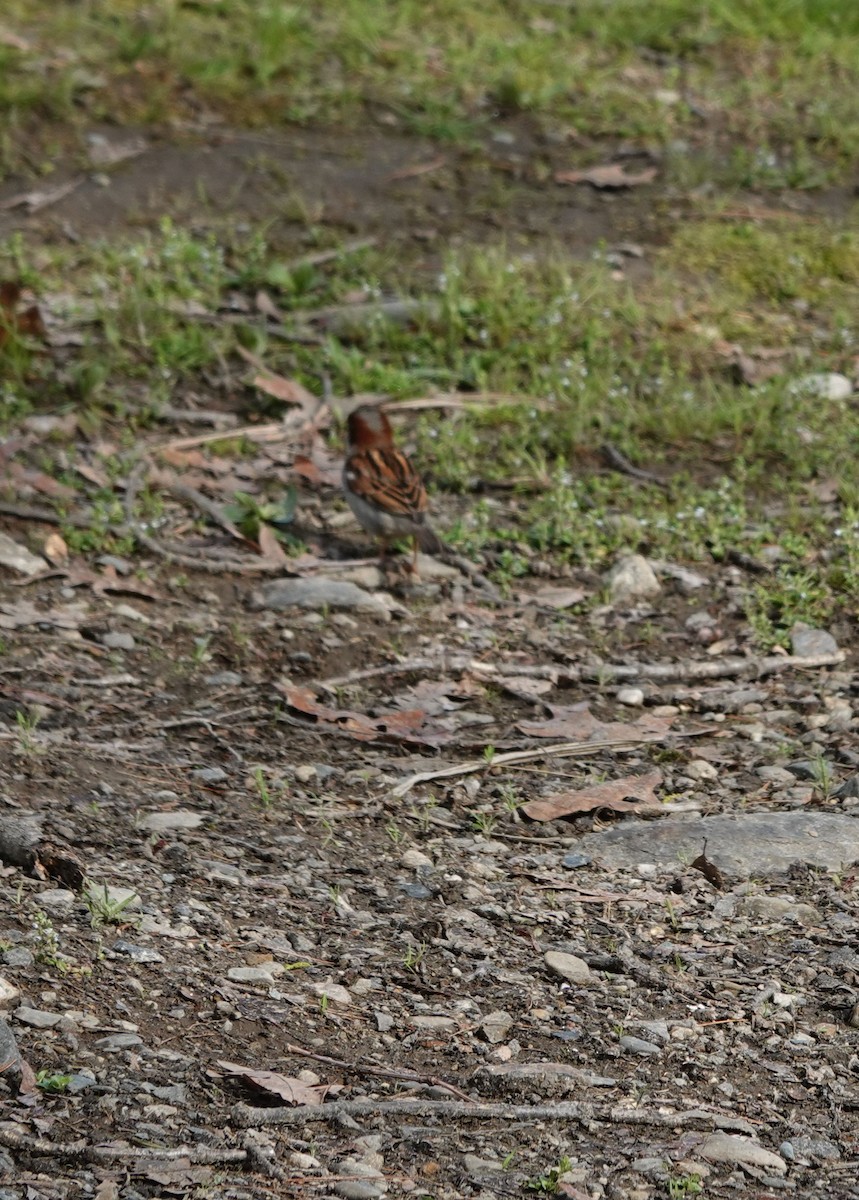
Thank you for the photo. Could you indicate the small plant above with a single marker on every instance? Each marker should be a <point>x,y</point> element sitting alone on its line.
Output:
<point>682,1186</point>
<point>483,823</point>
<point>27,722</point>
<point>50,1081</point>
<point>510,797</point>
<point>266,800</point>
<point>414,956</point>
<point>549,1181</point>
<point>488,755</point>
<point>201,654</point>
<point>822,777</point>
<point>104,909</point>
<point>394,833</point>
<point>47,939</point>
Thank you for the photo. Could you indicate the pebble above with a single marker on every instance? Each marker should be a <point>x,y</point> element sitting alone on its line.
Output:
<point>632,578</point>
<point>179,818</point>
<point>732,1148</point>
<point>638,1046</point>
<point>59,900</point>
<point>496,1025</point>
<point>18,558</point>
<point>209,775</point>
<point>119,1041</point>
<point>416,860</point>
<point>8,991</point>
<point>700,769</point>
<point>574,860</point>
<point>384,1022</point>
<point>416,891</point>
<point>369,1188</point>
<point>108,894</point>
<point>633,697</point>
<point>305,773</point>
<point>10,1056</point>
<point>779,908</point>
<point>136,953</point>
<point>116,640</point>
<point>438,1023</point>
<point>809,642</point>
<point>828,385</point>
<point>332,991</point>
<point>475,1165</point>
<point>224,679</point>
<point>37,1018</point>
<point>316,594</point>
<point>265,973</point>
<point>569,966</point>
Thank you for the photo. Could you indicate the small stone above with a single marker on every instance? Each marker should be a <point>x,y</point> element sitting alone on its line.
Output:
<point>632,578</point>
<point>305,773</point>
<point>638,1046</point>
<point>732,1148</point>
<point>224,679</point>
<point>371,1187</point>
<point>108,895</point>
<point>633,697</point>
<point>828,385</point>
<point>480,1166</point>
<point>700,769</point>
<point>265,973</point>
<point>59,900</point>
<point>778,908</point>
<point>116,640</point>
<point>37,1018</point>
<point>569,966</point>
<point>439,1024</point>
<point>119,1041</point>
<point>8,991</point>
<point>209,775</point>
<point>316,594</point>
<point>384,1022</point>
<point>416,891</point>
<point>496,1025</point>
<point>574,860</point>
<point>416,860</point>
<point>18,558</point>
<point>179,818</point>
<point>807,642</point>
<point>332,991</point>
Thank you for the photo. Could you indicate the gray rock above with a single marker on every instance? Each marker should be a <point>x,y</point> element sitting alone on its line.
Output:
<point>371,1187</point>
<point>732,1148</point>
<point>136,953</point>
<point>827,385</point>
<point>18,956</point>
<point>59,900</point>
<point>689,581</point>
<point>8,991</point>
<point>809,642</point>
<point>18,558</point>
<point>264,973</point>
<point>496,1025</point>
<point>384,1022</point>
<point>305,773</point>
<point>179,818</point>
<point>282,594</point>
<point>475,1165</point>
<point>119,1041</point>
<point>548,1079</point>
<point>738,845</point>
<point>569,966</point>
<point>638,1046</point>
<point>632,578</point>
<point>778,908</point>
<point>433,1023</point>
<point>37,1018</point>
<point>700,769</point>
<point>10,1056</point>
<point>224,679</point>
<point>117,640</point>
<point>808,1146</point>
<point>209,775</point>
<point>633,697</point>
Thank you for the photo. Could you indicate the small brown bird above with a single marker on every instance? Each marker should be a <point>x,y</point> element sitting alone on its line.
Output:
<point>382,487</point>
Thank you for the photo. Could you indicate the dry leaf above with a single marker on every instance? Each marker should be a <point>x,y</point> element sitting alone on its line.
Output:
<point>290,1089</point>
<point>269,545</point>
<point>634,794</point>
<point>610,176</point>
<point>577,723</point>
<point>408,726</point>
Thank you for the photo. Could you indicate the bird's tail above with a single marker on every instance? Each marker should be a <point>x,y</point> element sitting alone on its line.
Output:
<point>429,541</point>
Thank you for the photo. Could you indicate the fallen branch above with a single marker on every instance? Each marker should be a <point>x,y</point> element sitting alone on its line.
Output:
<point>359,1068</point>
<point>244,1115</point>
<point>726,668</point>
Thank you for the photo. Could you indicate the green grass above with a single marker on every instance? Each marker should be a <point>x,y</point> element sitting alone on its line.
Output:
<point>582,357</point>
<point>745,91</point>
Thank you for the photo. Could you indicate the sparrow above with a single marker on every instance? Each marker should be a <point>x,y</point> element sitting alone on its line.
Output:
<point>382,487</point>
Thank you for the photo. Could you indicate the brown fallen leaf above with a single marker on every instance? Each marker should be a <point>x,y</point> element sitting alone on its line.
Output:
<point>29,323</point>
<point>577,723</point>
<point>708,869</point>
<point>610,176</point>
<point>290,1089</point>
<point>269,545</point>
<point>409,725</point>
<point>634,794</point>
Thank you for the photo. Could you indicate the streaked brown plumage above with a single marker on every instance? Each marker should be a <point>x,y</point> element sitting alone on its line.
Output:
<point>382,487</point>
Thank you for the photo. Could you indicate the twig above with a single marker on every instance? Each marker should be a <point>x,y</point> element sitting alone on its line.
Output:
<point>17,1139</point>
<point>621,463</point>
<point>326,256</point>
<point>458,663</point>
<point>559,750</point>
<point>48,515</point>
<point>359,1068</point>
<point>244,1115</point>
<point>726,668</point>
<point>183,492</point>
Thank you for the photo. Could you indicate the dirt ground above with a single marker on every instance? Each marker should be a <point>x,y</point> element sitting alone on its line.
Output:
<point>486,1002</point>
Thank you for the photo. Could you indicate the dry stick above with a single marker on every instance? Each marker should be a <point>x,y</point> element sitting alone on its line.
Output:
<point>559,750</point>
<point>48,515</point>
<point>621,463</point>
<point>244,1115</point>
<point>360,1068</point>
<point>16,1139</point>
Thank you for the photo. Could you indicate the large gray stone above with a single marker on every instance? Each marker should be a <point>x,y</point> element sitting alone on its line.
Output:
<point>741,845</point>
